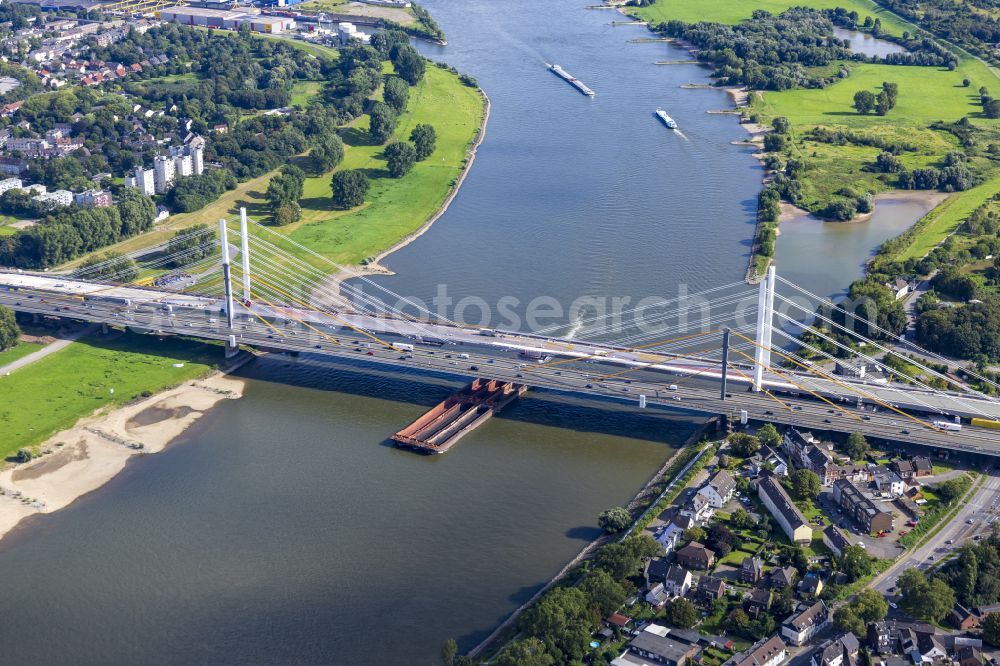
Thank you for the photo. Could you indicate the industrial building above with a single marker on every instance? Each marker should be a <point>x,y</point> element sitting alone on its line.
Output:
<point>226,19</point>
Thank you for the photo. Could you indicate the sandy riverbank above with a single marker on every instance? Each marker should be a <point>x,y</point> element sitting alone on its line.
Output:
<point>97,448</point>
<point>929,199</point>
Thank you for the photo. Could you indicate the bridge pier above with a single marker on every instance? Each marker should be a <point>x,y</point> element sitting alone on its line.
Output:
<point>232,349</point>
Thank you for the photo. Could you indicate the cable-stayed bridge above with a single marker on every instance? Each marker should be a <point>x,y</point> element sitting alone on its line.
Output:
<point>731,350</point>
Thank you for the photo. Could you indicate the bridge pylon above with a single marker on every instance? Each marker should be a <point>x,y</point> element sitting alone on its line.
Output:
<point>226,273</point>
<point>245,255</point>
<point>765,317</point>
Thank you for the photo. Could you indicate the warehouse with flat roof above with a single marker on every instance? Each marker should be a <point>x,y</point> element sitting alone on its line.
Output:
<point>226,19</point>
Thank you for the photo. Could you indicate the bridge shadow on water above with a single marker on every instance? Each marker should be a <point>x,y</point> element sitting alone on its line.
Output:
<point>427,388</point>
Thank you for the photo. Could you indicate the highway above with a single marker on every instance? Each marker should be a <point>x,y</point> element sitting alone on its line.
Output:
<point>568,366</point>
<point>980,510</point>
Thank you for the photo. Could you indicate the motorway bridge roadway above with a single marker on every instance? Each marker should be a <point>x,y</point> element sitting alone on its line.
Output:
<point>572,367</point>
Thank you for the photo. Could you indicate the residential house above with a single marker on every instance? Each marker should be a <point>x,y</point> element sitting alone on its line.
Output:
<point>93,199</point>
<point>758,601</point>
<point>861,508</point>
<point>695,556</point>
<point>835,540</point>
<point>887,482</point>
<point>677,581</point>
<point>816,459</point>
<point>656,571</point>
<point>669,536</point>
<point>699,509</point>
<point>654,644</point>
<point>968,655</point>
<point>752,570</point>
<point>963,619</point>
<point>805,622</point>
<point>12,166</point>
<point>795,442</point>
<point>657,596</point>
<point>719,490</point>
<point>840,651</point>
<point>793,523</point>
<point>810,587</point>
<point>899,287</point>
<point>10,184</point>
<point>831,473</point>
<point>922,466</point>
<point>765,652</point>
<point>710,589</point>
<point>782,577</point>
<point>55,199</point>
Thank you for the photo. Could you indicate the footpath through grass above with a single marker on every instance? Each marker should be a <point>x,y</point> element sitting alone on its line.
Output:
<point>20,350</point>
<point>56,391</point>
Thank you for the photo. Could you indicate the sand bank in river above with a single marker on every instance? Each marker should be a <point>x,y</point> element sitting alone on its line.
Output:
<point>96,449</point>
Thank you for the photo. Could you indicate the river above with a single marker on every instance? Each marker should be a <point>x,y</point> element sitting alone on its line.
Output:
<point>283,528</point>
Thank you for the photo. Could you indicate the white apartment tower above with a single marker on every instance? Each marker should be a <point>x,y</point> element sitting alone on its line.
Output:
<point>163,173</point>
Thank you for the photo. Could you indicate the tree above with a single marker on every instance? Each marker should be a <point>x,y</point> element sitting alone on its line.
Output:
<point>349,188</point>
<point>527,652</point>
<point>603,591</point>
<point>24,455</point>
<point>864,101</point>
<point>396,93</point>
<point>847,620</point>
<point>966,82</point>
<point>400,157</point>
<point>769,435</point>
<point>855,563</point>
<point>721,539</point>
<point>805,484</point>
<point>614,519</point>
<point>190,245</point>
<point>681,613</point>
<point>741,519</point>
<point>883,103</point>
<point>448,652</point>
<point>9,330</point>
<point>408,63</point>
<point>382,122</point>
<point>137,211</point>
<point>287,214</point>
<point>991,108</point>
<point>424,138</point>
<point>738,620</point>
<point>695,533</point>
<point>925,599</point>
<point>857,446</point>
<point>562,618</point>
<point>109,267</point>
<point>870,606</point>
<point>991,629</point>
<point>886,162</point>
<point>774,142</point>
<point>781,125</point>
<point>743,445</point>
<point>328,154</point>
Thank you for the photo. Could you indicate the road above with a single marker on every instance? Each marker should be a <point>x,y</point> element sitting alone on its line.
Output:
<point>979,508</point>
<point>50,348</point>
<point>587,368</point>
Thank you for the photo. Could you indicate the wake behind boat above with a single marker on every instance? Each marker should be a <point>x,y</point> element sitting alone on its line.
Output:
<point>667,120</point>
<point>572,80</point>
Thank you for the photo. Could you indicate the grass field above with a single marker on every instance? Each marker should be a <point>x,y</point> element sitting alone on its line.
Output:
<point>53,393</point>
<point>926,94</point>
<point>727,11</point>
<point>303,91</point>
<point>20,350</point>
<point>396,207</point>
<point>943,220</point>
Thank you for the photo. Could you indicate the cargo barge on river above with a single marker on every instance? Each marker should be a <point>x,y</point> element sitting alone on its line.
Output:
<point>440,428</point>
<point>572,80</point>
